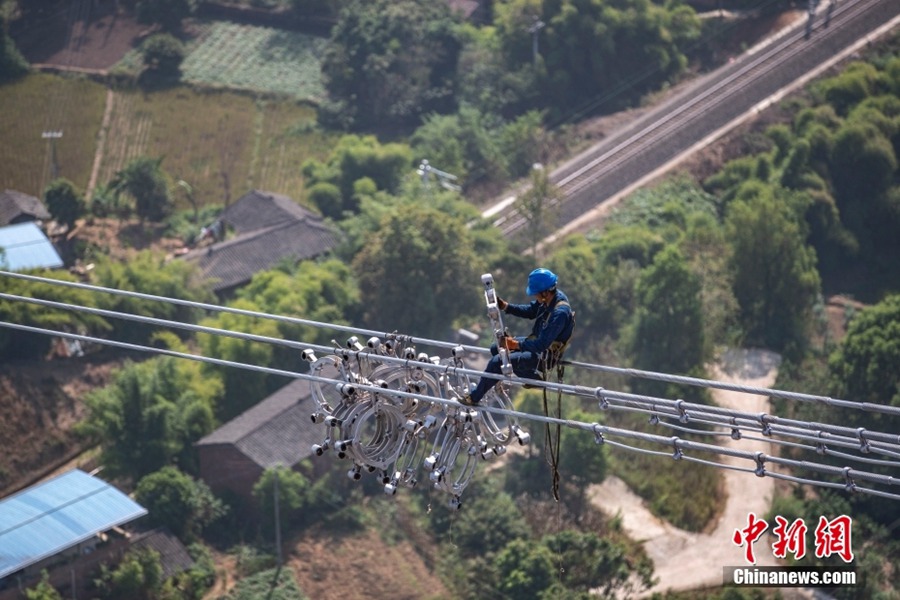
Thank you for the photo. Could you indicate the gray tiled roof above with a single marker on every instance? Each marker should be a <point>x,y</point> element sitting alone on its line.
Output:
<point>258,210</point>
<point>271,228</point>
<point>235,261</point>
<point>278,430</point>
<point>14,204</point>
<point>173,556</point>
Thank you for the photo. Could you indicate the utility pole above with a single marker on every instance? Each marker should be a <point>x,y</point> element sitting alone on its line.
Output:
<point>54,165</point>
<point>277,521</point>
<point>425,171</point>
<point>811,10</point>
<point>534,30</point>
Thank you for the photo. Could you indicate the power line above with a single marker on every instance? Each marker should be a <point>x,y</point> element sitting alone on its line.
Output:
<point>374,359</point>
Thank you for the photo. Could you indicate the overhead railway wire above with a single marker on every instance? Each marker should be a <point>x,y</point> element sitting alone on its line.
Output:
<point>661,410</point>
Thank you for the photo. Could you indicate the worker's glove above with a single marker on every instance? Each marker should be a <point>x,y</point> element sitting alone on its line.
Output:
<point>510,343</point>
<point>501,303</point>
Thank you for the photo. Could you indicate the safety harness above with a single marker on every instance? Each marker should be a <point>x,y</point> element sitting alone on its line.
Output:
<point>550,359</point>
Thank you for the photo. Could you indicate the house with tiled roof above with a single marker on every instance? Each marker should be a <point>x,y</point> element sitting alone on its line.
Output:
<point>470,10</point>
<point>277,431</point>
<point>268,229</point>
<point>173,556</point>
<point>17,207</point>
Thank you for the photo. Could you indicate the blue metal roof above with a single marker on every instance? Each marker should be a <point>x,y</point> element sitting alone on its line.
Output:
<point>57,514</point>
<point>26,247</point>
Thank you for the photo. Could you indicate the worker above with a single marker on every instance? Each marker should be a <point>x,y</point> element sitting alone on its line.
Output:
<point>554,321</point>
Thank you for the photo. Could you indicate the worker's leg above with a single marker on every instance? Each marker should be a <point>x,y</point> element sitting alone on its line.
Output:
<point>524,364</point>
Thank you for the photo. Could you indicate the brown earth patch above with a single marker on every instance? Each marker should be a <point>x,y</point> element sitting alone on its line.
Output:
<point>360,566</point>
<point>40,403</point>
<point>89,34</point>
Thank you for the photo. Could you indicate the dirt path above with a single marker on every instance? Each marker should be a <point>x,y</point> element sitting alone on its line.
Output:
<point>685,560</point>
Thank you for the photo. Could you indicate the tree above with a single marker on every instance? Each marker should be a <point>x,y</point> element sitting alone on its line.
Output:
<point>524,569</point>
<point>863,167</point>
<point>855,83</point>
<point>488,83</point>
<point>390,61</point>
<point>327,198</point>
<point>163,54</point>
<point>168,14</point>
<point>64,202</point>
<point>706,249</point>
<point>537,205</point>
<point>488,522</point>
<point>243,388</point>
<point>668,327</point>
<point>151,412</point>
<point>464,144</point>
<point>596,53</point>
<point>582,460</point>
<point>149,273</point>
<point>12,63</point>
<point>775,279</point>
<point>144,180</point>
<point>44,590</point>
<point>139,576</point>
<point>16,344</point>
<point>177,501</point>
<point>294,494</point>
<point>864,370</point>
<point>864,367</point>
<point>324,292</point>
<point>356,158</point>
<point>594,563</point>
<point>418,273</point>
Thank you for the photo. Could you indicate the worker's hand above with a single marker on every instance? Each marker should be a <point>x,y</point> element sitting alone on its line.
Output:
<point>501,303</point>
<point>510,343</point>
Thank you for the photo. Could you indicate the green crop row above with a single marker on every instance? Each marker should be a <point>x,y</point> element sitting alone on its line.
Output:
<point>257,58</point>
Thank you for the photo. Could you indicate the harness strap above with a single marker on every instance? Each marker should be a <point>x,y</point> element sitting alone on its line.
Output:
<point>553,442</point>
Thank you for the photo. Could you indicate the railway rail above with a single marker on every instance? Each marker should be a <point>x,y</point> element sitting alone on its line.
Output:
<point>721,97</point>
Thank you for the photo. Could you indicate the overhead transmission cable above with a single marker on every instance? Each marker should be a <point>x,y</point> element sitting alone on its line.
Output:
<point>862,440</point>
<point>837,435</point>
<point>851,477</point>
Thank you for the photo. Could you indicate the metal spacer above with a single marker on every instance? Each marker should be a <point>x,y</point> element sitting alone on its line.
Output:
<point>863,442</point>
<point>766,427</point>
<point>821,448</point>
<point>654,419</point>
<point>849,484</point>
<point>760,464</point>
<point>598,435</point>
<point>604,403</point>
<point>735,433</point>
<point>677,454</point>
<point>682,413</point>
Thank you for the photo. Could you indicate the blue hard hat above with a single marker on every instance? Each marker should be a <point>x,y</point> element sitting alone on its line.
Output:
<point>540,280</point>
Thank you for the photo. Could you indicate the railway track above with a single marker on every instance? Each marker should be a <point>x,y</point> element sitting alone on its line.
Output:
<point>714,101</point>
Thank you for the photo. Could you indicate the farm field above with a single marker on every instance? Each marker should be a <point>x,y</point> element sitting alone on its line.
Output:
<point>225,55</point>
<point>243,119</point>
<point>222,143</point>
<point>254,58</point>
<point>42,103</point>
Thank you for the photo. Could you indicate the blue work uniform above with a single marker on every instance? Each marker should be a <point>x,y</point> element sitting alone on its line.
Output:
<point>553,322</point>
